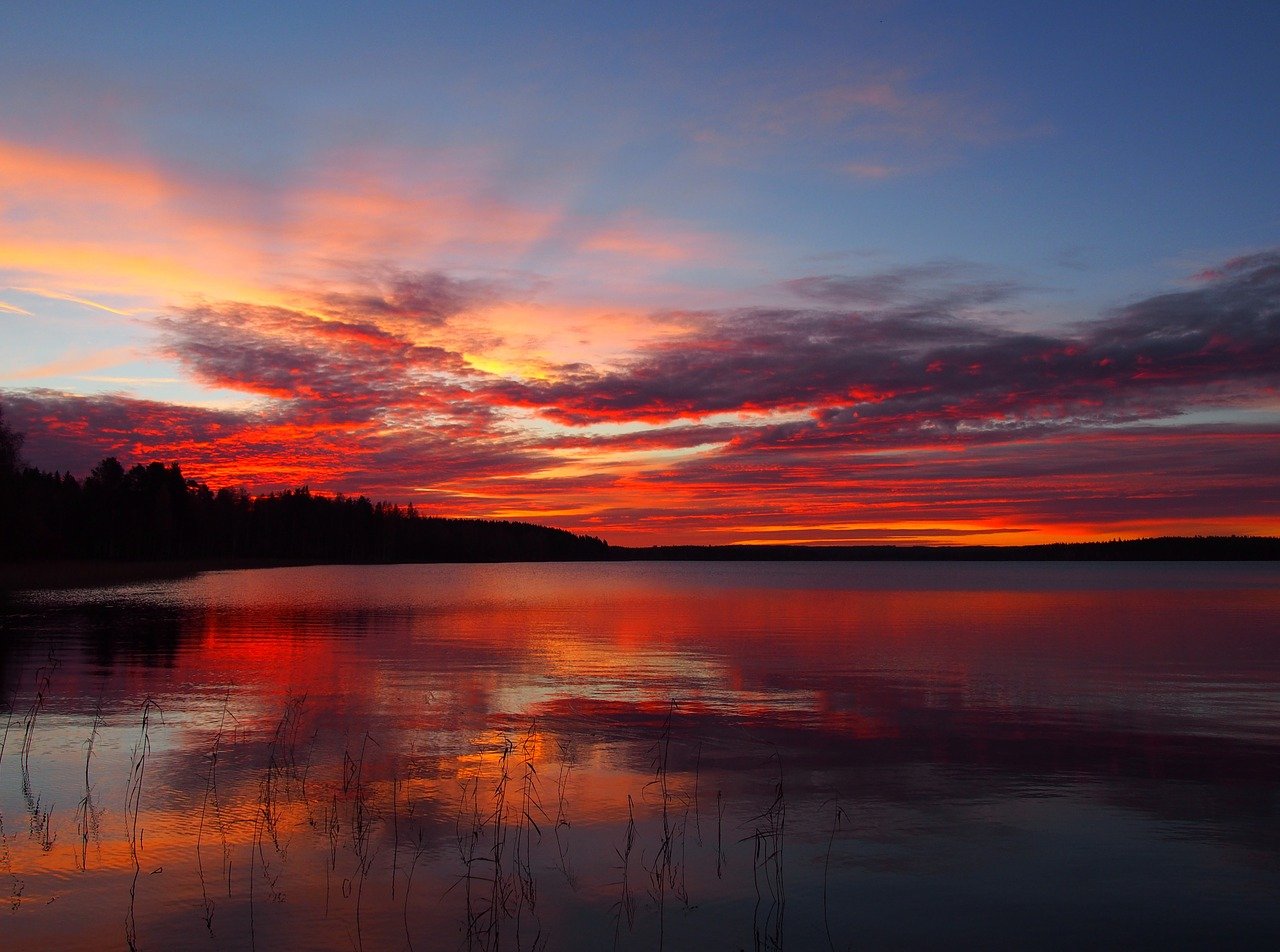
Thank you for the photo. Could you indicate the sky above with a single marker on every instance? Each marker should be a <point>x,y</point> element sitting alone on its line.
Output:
<point>661,273</point>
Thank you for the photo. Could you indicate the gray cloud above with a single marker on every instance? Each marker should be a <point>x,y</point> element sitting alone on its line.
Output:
<point>428,298</point>
<point>338,365</point>
<point>940,285</point>
<point>926,364</point>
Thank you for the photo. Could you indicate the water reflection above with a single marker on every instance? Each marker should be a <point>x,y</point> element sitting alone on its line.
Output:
<point>600,756</point>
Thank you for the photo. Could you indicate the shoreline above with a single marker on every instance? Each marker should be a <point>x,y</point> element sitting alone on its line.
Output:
<point>91,573</point>
<point>96,573</point>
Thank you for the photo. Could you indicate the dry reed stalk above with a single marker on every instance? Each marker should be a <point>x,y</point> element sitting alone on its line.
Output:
<point>826,873</point>
<point>87,817</point>
<point>562,819</point>
<point>768,840</point>
<point>720,854</point>
<point>43,675</point>
<point>626,904</point>
<point>133,813</point>
<point>211,792</point>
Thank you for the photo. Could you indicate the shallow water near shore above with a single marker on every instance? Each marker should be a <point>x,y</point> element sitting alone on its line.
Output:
<point>645,755</point>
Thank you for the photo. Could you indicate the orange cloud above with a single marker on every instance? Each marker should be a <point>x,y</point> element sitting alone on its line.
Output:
<point>76,364</point>
<point>634,236</point>
<point>89,225</point>
<point>362,218</point>
<point>38,174</point>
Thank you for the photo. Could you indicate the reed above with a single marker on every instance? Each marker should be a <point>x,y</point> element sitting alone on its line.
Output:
<point>332,828</point>
<point>88,817</point>
<point>496,846</point>
<point>768,839</point>
<point>697,809</point>
<point>667,873</point>
<point>281,768</point>
<point>17,885</point>
<point>720,854</point>
<point>836,822</point>
<point>43,675</point>
<point>481,919</point>
<point>282,771</point>
<point>133,813</point>
<point>527,828</point>
<point>498,886</point>
<point>500,825</point>
<point>211,793</point>
<point>5,862</point>
<point>626,904</point>
<point>362,822</point>
<point>420,847</point>
<point>468,843</point>
<point>4,738</point>
<point>395,829</point>
<point>562,818</point>
<point>41,827</point>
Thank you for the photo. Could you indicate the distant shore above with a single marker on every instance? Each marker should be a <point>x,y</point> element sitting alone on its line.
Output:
<point>1160,549</point>
<point>97,573</point>
<point>16,576</point>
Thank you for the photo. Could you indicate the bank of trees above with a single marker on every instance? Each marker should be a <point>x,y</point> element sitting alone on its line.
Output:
<point>154,513</point>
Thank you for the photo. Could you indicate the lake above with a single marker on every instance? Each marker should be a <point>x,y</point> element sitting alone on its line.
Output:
<point>646,755</point>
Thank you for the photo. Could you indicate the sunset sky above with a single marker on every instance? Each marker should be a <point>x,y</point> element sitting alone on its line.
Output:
<point>717,272</point>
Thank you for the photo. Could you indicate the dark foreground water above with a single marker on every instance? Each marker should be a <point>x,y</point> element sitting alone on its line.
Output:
<point>801,756</point>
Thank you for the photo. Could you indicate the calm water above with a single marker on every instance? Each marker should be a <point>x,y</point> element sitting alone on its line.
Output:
<point>799,756</point>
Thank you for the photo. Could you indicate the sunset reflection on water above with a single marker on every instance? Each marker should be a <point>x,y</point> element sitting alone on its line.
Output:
<point>449,757</point>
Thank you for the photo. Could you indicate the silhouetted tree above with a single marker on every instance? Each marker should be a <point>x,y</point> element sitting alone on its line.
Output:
<point>10,447</point>
<point>10,464</point>
<point>153,513</point>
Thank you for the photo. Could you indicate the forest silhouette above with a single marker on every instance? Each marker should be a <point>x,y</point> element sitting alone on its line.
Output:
<point>153,513</point>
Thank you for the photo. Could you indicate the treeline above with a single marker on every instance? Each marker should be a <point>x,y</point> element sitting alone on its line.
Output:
<point>1155,549</point>
<point>153,513</point>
